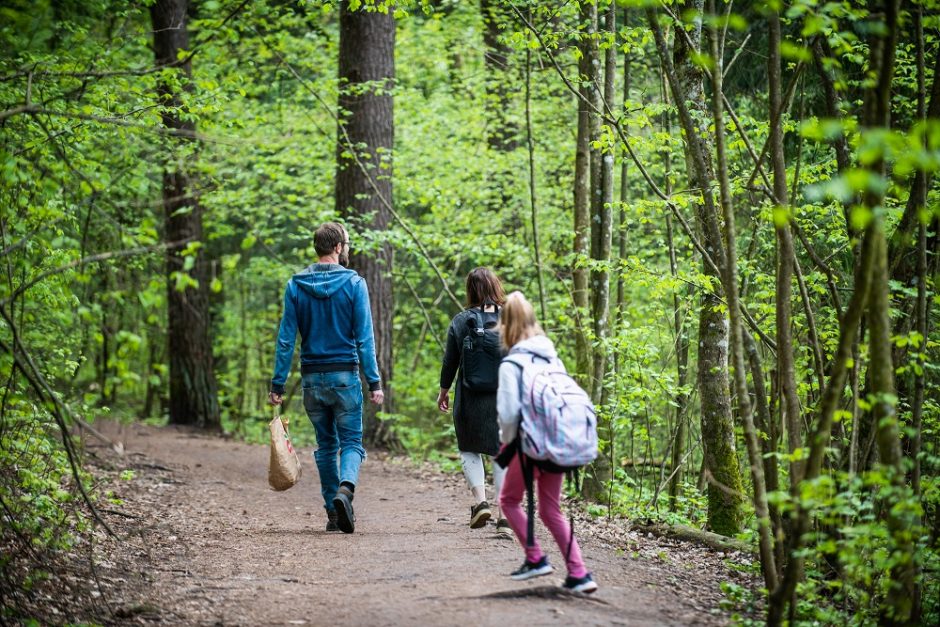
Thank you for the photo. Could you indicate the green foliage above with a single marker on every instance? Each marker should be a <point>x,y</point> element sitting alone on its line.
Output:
<point>83,283</point>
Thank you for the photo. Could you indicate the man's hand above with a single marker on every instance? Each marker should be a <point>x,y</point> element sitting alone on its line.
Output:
<point>275,399</point>
<point>443,400</point>
<point>377,397</point>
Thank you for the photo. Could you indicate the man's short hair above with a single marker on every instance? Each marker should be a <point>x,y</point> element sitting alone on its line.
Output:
<point>327,237</point>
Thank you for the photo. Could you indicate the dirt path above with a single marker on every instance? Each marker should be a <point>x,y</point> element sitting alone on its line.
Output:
<point>207,543</point>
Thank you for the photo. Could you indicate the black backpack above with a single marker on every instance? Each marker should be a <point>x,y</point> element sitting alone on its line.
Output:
<point>481,354</point>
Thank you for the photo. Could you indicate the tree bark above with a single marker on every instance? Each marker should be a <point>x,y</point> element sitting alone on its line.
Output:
<point>785,256</point>
<point>364,174</point>
<point>690,534</point>
<point>530,148</point>
<point>679,327</point>
<point>820,438</point>
<point>901,521</point>
<point>587,121</point>
<point>622,237</point>
<point>603,224</point>
<point>766,543</point>
<point>923,322</point>
<point>193,386</point>
<point>902,258</point>
<point>871,296</point>
<point>602,228</point>
<point>502,132</point>
<point>502,128</point>
<point>687,84</point>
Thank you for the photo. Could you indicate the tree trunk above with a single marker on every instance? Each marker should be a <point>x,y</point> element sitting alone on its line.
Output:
<point>622,237</point>
<point>502,128</point>
<point>502,132</point>
<point>819,440</point>
<point>530,148</point>
<point>901,521</point>
<point>603,224</point>
<point>766,543</point>
<point>193,386</point>
<point>364,174</point>
<point>902,258</point>
<point>602,230</point>
<point>679,327</point>
<point>687,83</point>
<point>872,297</point>
<point>785,256</point>
<point>587,69</point>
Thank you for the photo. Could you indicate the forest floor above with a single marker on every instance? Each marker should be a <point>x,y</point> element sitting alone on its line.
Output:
<point>202,540</point>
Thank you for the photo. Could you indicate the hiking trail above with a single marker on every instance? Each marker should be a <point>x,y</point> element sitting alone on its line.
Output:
<point>204,541</point>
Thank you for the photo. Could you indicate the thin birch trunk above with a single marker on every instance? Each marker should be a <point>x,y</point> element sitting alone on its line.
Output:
<point>766,543</point>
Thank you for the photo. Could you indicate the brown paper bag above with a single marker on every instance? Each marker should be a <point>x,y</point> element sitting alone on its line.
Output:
<point>284,468</point>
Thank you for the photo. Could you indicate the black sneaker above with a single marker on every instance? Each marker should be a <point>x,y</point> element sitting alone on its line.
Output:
<point>503,528</point>
<point>580,584</point>
<point>528,570</point>
<point>331,518</point>
<point>345,518</point>
<point>479,514</point>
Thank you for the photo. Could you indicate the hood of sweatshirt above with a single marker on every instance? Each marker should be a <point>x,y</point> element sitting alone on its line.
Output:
<point>537,344</point>
<point>322,280</point>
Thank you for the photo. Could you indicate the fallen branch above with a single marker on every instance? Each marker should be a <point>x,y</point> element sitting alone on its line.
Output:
<point>698,536</point>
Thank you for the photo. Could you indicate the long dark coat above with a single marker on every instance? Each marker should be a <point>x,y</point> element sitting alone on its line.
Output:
<point>474,412</point>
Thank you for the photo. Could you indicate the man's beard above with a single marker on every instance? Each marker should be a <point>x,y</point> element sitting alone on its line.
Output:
<point>344,259</point>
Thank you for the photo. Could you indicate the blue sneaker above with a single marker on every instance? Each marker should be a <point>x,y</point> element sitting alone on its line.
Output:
<point>528,570</point>
<point>584,584</point>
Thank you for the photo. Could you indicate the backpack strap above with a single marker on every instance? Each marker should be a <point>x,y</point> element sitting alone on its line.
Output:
<point>527,474</point>
<point>478,320</point>
<point>573,475</point>
<point>478,316</point>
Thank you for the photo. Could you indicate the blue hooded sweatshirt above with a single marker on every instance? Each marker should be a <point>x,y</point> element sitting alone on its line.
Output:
<point>329,305</point>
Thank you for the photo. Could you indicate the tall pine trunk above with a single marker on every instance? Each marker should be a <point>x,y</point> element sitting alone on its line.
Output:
<point>364,173</point>
<point>193,386</point>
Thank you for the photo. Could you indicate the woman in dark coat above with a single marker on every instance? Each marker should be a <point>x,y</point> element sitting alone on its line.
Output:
<point>474,411</point>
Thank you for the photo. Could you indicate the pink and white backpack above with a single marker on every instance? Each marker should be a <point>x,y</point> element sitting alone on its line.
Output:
<point>559,425</point>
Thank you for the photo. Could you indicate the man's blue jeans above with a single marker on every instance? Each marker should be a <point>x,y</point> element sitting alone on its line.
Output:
<point>333,401</point>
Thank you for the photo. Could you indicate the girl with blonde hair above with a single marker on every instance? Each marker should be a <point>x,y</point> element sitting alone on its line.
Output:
<point>522,335</point>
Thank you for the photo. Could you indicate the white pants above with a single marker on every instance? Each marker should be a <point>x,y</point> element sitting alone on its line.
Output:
<point>475,473</point>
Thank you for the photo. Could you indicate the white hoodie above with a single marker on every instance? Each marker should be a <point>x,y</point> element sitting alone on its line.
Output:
<point>508,395</point>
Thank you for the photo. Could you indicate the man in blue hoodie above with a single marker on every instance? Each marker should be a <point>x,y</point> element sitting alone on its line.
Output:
<point>329,306</point>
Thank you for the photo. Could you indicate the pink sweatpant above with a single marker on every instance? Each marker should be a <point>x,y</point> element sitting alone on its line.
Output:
<point>548,486</point>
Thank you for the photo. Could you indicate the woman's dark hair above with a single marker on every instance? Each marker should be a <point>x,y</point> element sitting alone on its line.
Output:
<point>483,286</point>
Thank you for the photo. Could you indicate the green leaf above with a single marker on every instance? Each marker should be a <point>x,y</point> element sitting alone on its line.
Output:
<point>795,52</point>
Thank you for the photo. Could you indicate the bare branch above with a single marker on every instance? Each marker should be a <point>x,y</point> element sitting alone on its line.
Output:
<point>131,252</point>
